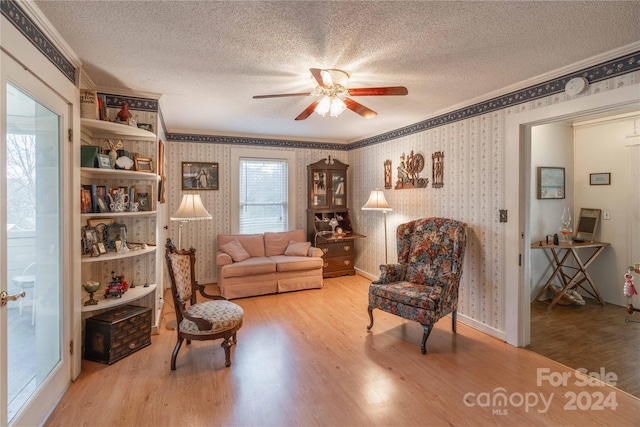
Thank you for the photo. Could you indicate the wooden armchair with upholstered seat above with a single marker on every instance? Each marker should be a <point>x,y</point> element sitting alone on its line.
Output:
<point>423,286</point>
<point>209,320</point>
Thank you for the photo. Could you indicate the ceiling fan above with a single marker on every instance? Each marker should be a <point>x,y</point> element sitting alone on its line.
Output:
<point>333,93</point>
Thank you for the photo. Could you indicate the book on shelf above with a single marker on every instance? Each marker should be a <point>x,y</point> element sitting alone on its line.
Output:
<point>85,200</point>
<point>89,104</point>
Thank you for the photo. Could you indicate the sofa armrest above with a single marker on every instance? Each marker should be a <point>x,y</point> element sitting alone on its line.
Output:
<point>223,258</point>
<point>315,252</point>
<point>390,273</point>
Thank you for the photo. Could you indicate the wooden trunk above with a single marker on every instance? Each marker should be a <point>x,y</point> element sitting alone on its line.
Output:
<point>117,333</point>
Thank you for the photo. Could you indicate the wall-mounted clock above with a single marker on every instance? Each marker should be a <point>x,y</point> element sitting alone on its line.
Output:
<point>576,86</point>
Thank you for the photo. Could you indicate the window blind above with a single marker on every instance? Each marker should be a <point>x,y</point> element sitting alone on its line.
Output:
<point>263,195</point>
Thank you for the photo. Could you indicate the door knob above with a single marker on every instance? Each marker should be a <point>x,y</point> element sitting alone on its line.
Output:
<point>4,297</point>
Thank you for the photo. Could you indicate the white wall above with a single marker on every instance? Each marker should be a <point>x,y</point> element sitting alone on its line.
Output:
<point>551,146</point>
<point>601,147</point>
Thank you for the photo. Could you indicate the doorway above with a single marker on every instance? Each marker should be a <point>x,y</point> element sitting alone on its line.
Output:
<point>585,334</point>
<point>35,362</point>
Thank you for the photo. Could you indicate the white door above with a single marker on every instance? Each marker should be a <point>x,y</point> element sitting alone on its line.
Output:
<point>35,362</point>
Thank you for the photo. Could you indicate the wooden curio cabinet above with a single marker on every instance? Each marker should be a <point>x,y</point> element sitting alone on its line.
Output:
<point>328,222</point>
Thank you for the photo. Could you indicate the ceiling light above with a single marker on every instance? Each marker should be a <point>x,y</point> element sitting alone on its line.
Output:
<point>323,106</point>
<point>337,107</point>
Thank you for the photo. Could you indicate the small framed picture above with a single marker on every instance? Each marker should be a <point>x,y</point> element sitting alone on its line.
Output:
<point>199,176</point>
<point>95,251</point>
<point>550,183</point>
<point>600,178</point>
<point>101,248</point>
<point>92,222</point>
<point>104,161</point>
<point>143,164</point>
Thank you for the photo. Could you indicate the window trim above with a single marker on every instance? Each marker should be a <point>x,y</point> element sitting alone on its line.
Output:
<point>253,153</point>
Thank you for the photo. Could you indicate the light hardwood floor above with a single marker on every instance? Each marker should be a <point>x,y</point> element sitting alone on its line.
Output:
<point>306,359</point>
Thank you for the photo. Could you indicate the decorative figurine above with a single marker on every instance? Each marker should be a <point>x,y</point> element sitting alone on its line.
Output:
<point>114,151</point>
<point>116,287</point>
<point>629,291</point>
<point>124,114</point>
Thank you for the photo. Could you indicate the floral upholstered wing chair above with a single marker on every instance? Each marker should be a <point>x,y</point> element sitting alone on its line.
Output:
<point>423,286</point>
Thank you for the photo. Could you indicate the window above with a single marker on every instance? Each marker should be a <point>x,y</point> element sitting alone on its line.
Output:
<point>263,195</point>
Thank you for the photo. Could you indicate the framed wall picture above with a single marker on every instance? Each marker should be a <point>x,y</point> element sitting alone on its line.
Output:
<point>600,178</point>
<point>199,176</point>
<point>550,183</point>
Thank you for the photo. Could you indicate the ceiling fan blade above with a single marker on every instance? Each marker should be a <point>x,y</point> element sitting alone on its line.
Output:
<point>307,112</point>
<point>318,74</point>
<point>359,109</point>
<point>281,95</point>
<point>378,91</point>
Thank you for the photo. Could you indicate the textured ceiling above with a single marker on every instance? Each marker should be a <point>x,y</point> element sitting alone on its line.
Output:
<point>208,58</point>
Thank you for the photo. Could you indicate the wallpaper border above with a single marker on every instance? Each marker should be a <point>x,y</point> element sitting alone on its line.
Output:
<point>264,142</point>
<point>20,20</point>
<point>142,104</point>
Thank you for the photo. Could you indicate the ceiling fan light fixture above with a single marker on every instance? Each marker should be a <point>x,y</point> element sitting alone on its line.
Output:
<point>337,107</point>
<point>323,106</point>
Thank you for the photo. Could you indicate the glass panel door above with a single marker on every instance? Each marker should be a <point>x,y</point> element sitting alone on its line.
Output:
<point>338,188</point>
<point>32,332</point>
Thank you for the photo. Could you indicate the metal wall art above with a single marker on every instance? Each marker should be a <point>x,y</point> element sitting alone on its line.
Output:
<point>409,172</point>
<point>438,169</point>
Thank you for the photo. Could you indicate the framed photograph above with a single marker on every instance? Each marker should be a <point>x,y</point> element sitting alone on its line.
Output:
<point>143,164</point>
<point>101,248</point>
<point>550,183</point>
<point>95,251</point>
<point>89,239</point>
<point>600,178</point>
<point>104,161</point>
<point>92,222</point>
<point>146,126</point>
<point>199,176</point>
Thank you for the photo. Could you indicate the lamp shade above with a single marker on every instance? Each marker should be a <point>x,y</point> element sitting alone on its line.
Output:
<point>377,202</point>
<point>191,209</point>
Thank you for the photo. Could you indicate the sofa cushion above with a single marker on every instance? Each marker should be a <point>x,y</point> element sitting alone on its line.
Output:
<point>235,250</point>
<point>249,267</point>
<point>297,248</point>
<point>276,243</point>
<point>296,263</point>
<point>252,243</point>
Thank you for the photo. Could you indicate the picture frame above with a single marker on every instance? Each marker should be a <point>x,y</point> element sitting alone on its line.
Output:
<point>104,161</point>
<point>93,222</point>
<point>602,178</point>
<point>89,239</point>
<point>551,183</point>
<point>199,176</point>
<point>101,248</point>
<point>143,164</point>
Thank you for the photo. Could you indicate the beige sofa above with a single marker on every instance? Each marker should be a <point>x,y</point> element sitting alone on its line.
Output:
<point>259,264</point>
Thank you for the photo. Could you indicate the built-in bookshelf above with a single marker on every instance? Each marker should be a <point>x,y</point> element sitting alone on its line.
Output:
<point>119,234</point>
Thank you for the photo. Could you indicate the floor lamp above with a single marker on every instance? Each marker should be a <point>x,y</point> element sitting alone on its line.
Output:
<point>191,209</point>
<point>377,202</point>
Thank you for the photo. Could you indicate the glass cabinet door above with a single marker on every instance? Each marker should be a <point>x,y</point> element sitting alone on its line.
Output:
<point>337,181</point>
<point>319,191</point>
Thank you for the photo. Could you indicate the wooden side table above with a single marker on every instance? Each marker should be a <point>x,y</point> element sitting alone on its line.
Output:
<point>580,276</point>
